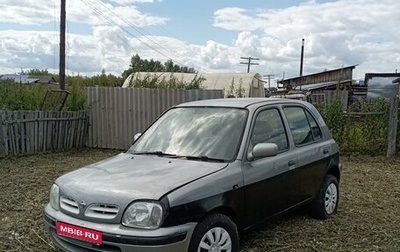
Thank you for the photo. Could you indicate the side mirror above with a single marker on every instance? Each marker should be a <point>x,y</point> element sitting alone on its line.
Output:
<point>136,137</point>
<point>263,150</point>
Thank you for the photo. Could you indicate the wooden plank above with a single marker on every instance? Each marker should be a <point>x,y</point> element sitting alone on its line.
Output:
<point>10,130</point>
<point>28,133</point>
<point>22,133</point>
<point>2,136</point>
<point>84,128</point>
<point>61,134</point>
<point>45,133</point>
<point>392,130</point>
<point>17,132</point>
<point>58,133</point>
<point>83,134</point>
<point>41,133</point>
<point>35,132</point>
<point>68,132</point>
<point>11,133</point>
<point>72,133</point>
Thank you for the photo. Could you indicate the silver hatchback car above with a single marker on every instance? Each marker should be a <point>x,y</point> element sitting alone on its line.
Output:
<point>200,174</point>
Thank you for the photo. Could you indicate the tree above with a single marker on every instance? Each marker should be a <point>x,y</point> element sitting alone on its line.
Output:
<point>36,71</point>
<point>144,65</point>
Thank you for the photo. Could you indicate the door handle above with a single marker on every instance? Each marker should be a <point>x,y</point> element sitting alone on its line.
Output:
<point>326,151</point>
<point>291,163</point>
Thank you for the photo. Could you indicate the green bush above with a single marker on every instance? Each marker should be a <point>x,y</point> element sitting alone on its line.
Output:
<point>15,96</point>
<point>76,98</point>
<point>363,133</point>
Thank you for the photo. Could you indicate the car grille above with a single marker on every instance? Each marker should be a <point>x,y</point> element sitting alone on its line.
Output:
<point>69,205</point>
<point>102,211</point>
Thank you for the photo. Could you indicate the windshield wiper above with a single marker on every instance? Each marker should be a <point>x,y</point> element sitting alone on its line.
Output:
<point>205,158</point>
<point>163,154</point>
<point>158,153</point>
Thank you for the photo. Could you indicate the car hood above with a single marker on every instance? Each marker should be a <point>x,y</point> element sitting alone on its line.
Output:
<point>126,177</point>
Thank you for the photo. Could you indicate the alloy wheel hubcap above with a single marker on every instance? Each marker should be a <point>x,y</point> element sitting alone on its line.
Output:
<point>331,198</point>
<point>216,240</point>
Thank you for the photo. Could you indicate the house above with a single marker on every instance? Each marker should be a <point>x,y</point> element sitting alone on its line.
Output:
<point>233,84</point>
<point>318,84</point>
<point>28,79</point>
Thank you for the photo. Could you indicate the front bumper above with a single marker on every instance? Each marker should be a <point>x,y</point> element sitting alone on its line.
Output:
<point>117,238</point>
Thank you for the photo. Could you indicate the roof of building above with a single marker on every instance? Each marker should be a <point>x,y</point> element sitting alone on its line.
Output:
<point>319,85</point>
<point>319,73</point>
<point>210,80</point>
<point>26,78</point>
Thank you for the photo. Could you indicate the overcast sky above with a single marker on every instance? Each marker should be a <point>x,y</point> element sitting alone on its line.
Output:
<point>208,35</point>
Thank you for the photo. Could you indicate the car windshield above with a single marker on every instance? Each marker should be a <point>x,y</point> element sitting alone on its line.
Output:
<point>200,133</point>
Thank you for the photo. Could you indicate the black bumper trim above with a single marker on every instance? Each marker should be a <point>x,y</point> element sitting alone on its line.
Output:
<point>131,240</point>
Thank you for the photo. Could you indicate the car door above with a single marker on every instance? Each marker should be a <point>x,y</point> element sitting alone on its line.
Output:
<point>268,181</point>
<point>311,150</point>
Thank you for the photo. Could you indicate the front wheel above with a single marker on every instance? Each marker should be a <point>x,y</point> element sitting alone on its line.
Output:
<point>327,200</point>
<point>216,233</point>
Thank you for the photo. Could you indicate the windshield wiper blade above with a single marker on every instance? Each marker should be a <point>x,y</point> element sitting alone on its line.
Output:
<point>158,153</point>
<point>205,158</point>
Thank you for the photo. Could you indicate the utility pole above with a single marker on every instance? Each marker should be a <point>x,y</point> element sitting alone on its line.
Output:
<point>62,45</point>
<point>301,59</point>
<point>248,63</point>
<point>269,79</point>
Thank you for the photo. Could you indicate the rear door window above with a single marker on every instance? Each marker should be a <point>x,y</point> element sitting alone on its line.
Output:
<point>303,126</point>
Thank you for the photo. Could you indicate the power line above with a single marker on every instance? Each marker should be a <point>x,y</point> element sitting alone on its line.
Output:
<point>101,15</point>
<point>248,63</point>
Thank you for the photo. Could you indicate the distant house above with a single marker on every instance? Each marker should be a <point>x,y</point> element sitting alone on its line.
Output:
<point>28,79</point>
<point>323,80</point>
<point>233,84</point>
<point>318,84</point>
<point>18,78</point>
<point>43,79</point>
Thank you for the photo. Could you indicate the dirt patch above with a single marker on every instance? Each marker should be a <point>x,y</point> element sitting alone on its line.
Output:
<point>368,218</point>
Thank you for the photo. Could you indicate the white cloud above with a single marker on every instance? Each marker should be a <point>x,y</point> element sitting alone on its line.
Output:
<point>337,33</point>
<point>236,19</point>
<point>91,12</point>
<point>340,33</point>
<point>130,2</point>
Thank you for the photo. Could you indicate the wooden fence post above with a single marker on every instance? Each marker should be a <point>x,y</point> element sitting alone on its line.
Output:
<point>2,138</point>
<point>392,130</point>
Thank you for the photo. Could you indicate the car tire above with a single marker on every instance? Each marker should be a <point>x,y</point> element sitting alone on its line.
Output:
<point>327,200</point>
<point>217,232</point>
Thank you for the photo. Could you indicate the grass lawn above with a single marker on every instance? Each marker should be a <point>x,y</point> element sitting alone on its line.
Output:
<point>368,218</point>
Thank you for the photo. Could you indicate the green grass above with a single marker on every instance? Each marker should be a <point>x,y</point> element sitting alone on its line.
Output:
<point>368,218</point>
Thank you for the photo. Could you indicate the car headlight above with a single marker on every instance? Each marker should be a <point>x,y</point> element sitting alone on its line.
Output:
<point>146,215</point>
<point>55,197</point>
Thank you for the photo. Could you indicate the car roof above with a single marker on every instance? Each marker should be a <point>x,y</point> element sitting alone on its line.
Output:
<point>238,102</point>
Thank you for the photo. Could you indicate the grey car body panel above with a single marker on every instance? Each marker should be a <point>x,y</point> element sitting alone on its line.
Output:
<point>117,230</point>
<point>126,178</point>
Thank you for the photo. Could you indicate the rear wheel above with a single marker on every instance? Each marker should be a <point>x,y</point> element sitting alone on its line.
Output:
<point>326,203</point>
<point>216,233</point>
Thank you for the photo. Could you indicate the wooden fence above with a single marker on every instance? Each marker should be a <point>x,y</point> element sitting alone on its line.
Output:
<point>117,114</point>
<point>29,132</point>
